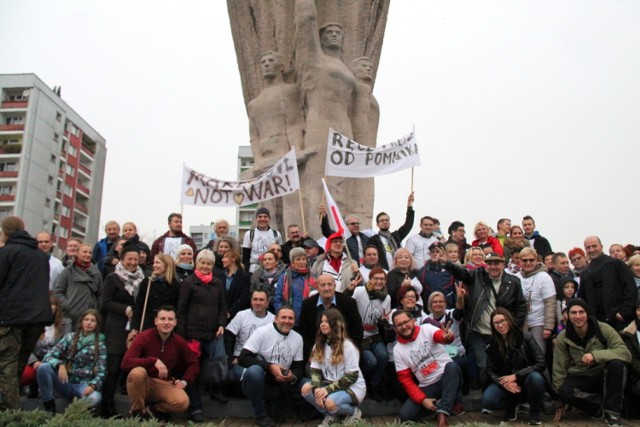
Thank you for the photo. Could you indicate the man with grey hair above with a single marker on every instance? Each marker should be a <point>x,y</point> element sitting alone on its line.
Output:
<point>356,243</point>
<point>24,298</point>
<point>102,248</point>
<point>221,228</point>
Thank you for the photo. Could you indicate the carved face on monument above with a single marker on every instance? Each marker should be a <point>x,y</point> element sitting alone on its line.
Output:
<point>363,69</point>
<point>331,37</point>
<point>270,64</point>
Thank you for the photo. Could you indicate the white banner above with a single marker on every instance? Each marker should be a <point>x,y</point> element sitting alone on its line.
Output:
<point>280,180</point>
<point>345,157</point>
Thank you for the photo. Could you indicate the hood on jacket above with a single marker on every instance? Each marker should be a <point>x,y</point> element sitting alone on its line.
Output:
<point>21,237</point>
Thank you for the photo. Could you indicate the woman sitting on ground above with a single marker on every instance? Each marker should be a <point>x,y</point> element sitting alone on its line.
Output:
<point>516,366</point>
<point>77,366</point>
<point>337,386</point>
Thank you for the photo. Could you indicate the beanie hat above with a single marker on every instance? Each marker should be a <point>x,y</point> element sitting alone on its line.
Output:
<point>577,301</point>
<point>264,211</point>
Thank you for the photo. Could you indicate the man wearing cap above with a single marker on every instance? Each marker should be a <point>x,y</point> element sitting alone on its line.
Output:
<point>589,365</point>
<point>168,243</point>
<point>257,240</point>
<point>419,244</point>
<point>489,287</point>
<point>607,286</point>
<point>338,264</point>
<point>355,243</point>
<point>296,238</point>
<point>312,249</point>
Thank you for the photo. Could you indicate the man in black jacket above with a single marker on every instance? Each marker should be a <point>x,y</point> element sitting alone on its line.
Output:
<point>356,243</point>
<point>24,298</point>
<point>607,286</point>
<point>539,243</point>
<point>389,242</point>
<point>313,307</point>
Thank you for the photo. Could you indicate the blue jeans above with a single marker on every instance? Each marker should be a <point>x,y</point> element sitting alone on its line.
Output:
<point>446,389</point>
<point>496,397</point>
<point>193,388</point>
<point>49,383</point>
<point>341,398</point>
<point>477,344</point>
<point>253,386</point>
<point>374,362</point>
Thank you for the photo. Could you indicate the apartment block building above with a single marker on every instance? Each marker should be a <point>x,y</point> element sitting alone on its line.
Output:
<point>51,161</point>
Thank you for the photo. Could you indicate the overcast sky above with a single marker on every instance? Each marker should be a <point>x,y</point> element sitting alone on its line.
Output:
<point>520,107</point>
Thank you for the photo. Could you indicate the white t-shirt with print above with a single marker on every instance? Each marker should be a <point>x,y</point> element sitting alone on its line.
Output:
<point>351,363</point>
<point>243,325</point>
<point>262,239</point>
<point>371,310</point>
<point>424,357</point>
<point>274,346</point>
<point>536,289</point>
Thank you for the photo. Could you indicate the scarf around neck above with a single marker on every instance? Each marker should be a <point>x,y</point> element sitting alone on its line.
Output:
<point>131,280</point>
<point>204,278</point>
<point>82,266</point>
<point>392,242</point>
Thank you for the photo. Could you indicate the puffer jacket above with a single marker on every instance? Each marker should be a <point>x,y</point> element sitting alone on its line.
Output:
<point>510,294</point>
<point>84,367</point>
<point>201,308</point>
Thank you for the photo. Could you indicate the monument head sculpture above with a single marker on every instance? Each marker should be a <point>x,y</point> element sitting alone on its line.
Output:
<point>271,65</point>
<point>331,36</point>
<point>362,68</point>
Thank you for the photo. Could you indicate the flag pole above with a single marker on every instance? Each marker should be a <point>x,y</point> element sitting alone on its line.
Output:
<point>412,179</point>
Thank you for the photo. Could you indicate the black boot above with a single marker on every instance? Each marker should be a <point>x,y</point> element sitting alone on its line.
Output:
<point>50,406</point>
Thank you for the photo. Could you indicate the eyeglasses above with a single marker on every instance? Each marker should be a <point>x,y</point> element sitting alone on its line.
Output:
<point>378,279</point>
<point>403,324</point>
<point>500,322</point>
<point>527,260</point>
<point>353,223</point>
<point>383,220</point>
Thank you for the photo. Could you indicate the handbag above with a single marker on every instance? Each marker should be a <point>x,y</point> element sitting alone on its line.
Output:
<point>215,369</point>
<point>132,335</point>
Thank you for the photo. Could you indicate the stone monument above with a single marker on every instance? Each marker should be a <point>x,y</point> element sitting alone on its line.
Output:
<point>292,57</point>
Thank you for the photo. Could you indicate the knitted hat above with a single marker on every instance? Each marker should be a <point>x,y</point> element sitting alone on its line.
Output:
<point>577,301</point>
<point>264,211</point>
<point>182,248</point>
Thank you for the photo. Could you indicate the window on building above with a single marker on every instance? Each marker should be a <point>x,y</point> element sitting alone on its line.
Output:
<point>6,190</point>
<point>15,120</point>
<point>58,116</point>
<point>8,167</point>
<point>68,191</point>
<point>50,180</point>
<point>73,151</point>
<point>66,211</point>
<point>69,170</point>
<point>47,202</point>
<point>53,158</point>
<point>18,98</point>
<point>56,137</point>
<point>63,232</point>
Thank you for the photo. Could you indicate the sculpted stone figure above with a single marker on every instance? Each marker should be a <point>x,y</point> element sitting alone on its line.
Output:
<point>366,111</point>
<point>276,125</point>
<point>328,91</point>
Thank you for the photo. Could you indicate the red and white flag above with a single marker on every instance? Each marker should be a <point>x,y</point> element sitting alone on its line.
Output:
<point>336,222</point>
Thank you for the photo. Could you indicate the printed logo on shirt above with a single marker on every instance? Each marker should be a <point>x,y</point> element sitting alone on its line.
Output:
<point>281,354</point>
<point>372,313</point>
<point>424,360</point>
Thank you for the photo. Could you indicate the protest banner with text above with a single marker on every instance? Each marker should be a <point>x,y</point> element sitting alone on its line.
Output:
<point>347,158</point>
<point>280,180</point>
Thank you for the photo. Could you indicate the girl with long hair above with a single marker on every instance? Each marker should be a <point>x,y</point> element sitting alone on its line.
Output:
<point>77,365</point>
<point>516,367</point>
<point>337,386</point>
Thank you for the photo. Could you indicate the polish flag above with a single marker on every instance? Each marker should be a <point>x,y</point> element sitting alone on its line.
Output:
<point>336,221</point>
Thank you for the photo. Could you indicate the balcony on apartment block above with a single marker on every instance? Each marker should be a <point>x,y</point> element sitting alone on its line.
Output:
<point>15,104</point>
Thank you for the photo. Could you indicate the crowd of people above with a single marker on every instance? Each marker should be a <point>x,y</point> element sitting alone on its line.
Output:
<point>319,328</point>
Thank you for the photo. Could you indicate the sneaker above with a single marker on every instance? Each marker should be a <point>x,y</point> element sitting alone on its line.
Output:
<point>352,419</point>
<point>486,411</point>
<point>534,420</point>
<point>197,417</point>
<point>512,414</point>
<point>458,409</point>
<point>612,419</point>
<point>264,421</point>
<point>328,420</point>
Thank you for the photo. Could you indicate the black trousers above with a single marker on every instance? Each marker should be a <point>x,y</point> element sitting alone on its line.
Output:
<point>603,391</point>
